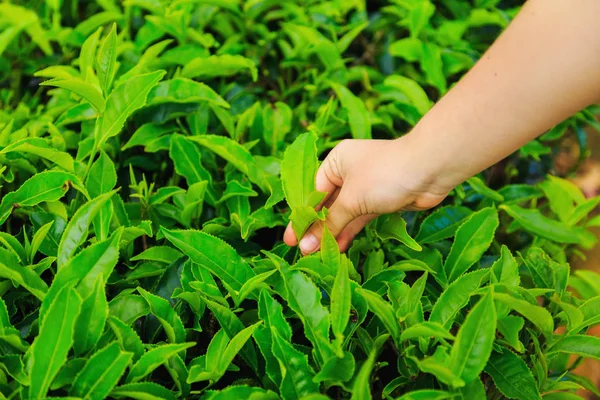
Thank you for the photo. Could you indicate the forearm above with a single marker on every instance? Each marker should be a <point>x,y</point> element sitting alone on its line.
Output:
<point>543,68</point>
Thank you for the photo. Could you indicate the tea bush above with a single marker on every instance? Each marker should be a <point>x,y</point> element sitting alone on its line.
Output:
<point>152,152</point>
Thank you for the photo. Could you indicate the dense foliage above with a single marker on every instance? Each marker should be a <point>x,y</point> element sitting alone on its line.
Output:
<point>151,153</point>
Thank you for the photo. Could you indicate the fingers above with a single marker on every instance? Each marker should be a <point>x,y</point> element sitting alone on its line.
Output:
<point>338,217</point>
<point>347,236</point>
<point>289,237</point>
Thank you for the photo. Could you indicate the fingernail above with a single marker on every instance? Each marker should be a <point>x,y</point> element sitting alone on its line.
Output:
<point>309,243</point>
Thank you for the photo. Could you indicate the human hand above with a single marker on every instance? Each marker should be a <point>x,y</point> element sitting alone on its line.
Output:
<point>367,178</point>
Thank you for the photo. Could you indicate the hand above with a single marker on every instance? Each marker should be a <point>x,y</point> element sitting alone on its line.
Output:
<point>367,178</point>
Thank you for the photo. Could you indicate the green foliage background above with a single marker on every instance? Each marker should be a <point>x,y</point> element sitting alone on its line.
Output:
<point>152,152</point>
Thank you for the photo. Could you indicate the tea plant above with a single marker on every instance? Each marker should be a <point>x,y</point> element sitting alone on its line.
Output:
<point>151,153</point>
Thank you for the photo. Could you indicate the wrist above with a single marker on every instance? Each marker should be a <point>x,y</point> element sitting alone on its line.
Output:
<point>433,167</point>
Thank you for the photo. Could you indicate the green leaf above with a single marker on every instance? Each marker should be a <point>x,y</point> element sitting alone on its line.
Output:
<point>106,63</point>
<point>358,115</point>
<point>393,226</point>
<point>81,88</point>
<point>297,376</point>
<point>536,223</point>
<point>235,154</point>
<point>182,90</point>
<point>40,148</point>
<point>427,394</point>
<point>252,284</point>
<point>98,259</point>
<point>50,348</point>
<point>510,327</point>
<point>25,277</point>
<point>187,160</point>
<point>101,373</point>
<point>122,102</point>
<point>298,170</point>
<point>224,65</point>
<point>341,296</point>
<point>76,231</point>
<point>167,316</point>
<point>474,340</point>
<point>539,316</point>
<point>102,177</point>
<point>505,269</point>
<point>480,187</point>
<point>143,391</point>
<point>232,326</point>
<point>512,376</point>
<point>164,254</point>
<point>153,359</point>
<point>455,297</point>
<point>38,238</point>
<point>383,311</point>
<point>234,346</point>
<point>304,298</point>
<point>91,320</point>
<point>127,337</point>
<point>337,369</point>
<point>361,388</point>
<point>426,329</point>
<point>472,239</point>
<point>585,346</point>
<point>44,186</point>
<point>213,254</point>
<point>413,91</point>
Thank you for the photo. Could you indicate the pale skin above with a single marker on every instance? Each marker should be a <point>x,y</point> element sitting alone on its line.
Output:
<point>543,68</point>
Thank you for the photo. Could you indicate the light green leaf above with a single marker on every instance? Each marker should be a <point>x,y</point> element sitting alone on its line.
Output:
<point>40,148</point>
<point>536,314</point>
<point>50,348</point>
<point>122,102</point>
<point>393,226</point>
<point>474,340</point>
<point>81,88</point>
<point>76,231</point>
<point>340,300</point>
<point>358,115</point>
<point>425,330</point>
<point>106,63</point>
<point>415,93</point>
<point>27,278</point>
<point>223,65</point>
<point>298,170</point>
<point>182,90</point>
<point>585,346</point>
<point>91,320</point>
<point>44,186</point>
